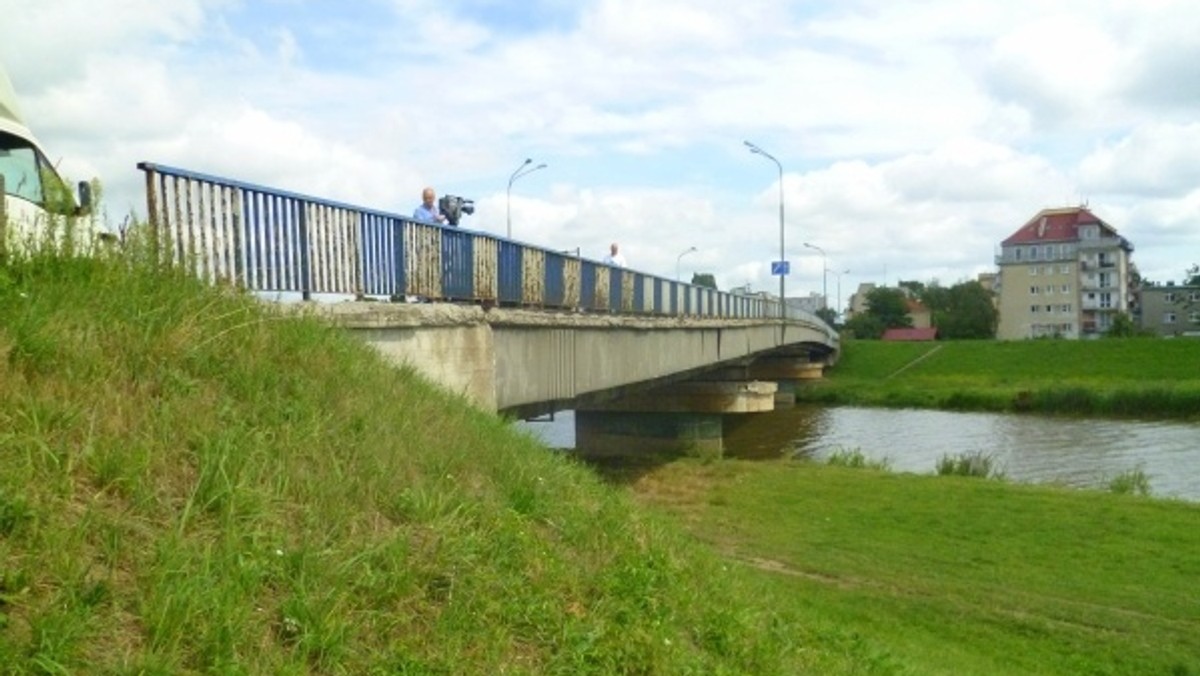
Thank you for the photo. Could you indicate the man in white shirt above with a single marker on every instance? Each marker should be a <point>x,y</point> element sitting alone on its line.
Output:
<point>615,258</point>
<point>427,211</point>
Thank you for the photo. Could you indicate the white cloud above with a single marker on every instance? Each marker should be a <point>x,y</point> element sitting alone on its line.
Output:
<point>914,136</point>
<point>1154,160</point>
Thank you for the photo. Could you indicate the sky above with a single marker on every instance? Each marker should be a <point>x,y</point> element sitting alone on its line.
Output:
<point>913,137</point>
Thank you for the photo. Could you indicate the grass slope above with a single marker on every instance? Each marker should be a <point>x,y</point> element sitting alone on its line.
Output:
<point>953,575</point>
<point>1121,377</point>
<point>191,484</point>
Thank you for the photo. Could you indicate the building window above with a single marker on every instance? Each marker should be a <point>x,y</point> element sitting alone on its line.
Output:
<point>1033,271</point>
<point>1168,318</point>
<point>1066,288</point>
<point>1106,300</point>
<point>1017,252</point>
<point>1193,296</point>
<point>1033,253</point>
<point>1169,297</point>
<point>1033,290</point>
<point>1065,269</point>
<point>1033,309</point>
<point>1049,309</point>
<point>1194,318</point>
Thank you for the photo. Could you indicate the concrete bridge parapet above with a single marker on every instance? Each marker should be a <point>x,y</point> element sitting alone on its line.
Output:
<point>528,361</point>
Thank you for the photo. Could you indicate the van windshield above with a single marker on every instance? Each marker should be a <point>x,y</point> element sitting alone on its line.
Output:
<point>19,167</point>
<point>30,176</point>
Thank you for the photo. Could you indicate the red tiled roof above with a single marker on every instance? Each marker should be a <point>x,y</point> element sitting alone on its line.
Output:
<point>910,334</point>
<point>1057,225</point>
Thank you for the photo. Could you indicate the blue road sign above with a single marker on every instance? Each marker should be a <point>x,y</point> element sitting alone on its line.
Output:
<point>781,268</point>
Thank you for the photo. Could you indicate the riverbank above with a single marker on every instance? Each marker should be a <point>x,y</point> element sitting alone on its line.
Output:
<point>1134,378</point>
<point>951,575</point>
<point>195,484</point>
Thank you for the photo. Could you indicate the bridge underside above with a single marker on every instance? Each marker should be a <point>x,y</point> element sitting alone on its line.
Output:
<point>527,363</point>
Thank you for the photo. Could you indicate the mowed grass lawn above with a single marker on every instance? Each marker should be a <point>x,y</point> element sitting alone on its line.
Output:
<point>953,575</point>
<point>1132,377</point>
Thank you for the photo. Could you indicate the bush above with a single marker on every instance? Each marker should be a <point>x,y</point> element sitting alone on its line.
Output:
<point>975,463</point>
<point>855,458</point>
<point>1132,481</point>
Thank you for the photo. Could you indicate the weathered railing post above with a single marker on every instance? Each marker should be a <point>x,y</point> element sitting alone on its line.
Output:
<point>3,221</point>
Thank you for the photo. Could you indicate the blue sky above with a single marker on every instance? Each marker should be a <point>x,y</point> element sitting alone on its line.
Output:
<point>914,136</point>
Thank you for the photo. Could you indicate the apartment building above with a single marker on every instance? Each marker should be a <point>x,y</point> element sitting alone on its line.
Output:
<point>1171,310</point>
<point>1064,273</point>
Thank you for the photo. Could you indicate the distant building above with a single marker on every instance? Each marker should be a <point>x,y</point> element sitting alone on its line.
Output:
<point>1064,273</point>
<point>858,300</point>
<point>918,314</point>
<point>1170,310</point>
<point>809,303</point>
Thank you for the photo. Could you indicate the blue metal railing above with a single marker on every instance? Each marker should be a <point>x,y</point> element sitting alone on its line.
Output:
<point>268,240</point>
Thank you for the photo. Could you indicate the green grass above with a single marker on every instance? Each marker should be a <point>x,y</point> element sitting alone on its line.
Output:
<point>949,575</point>
<point>1143,378</point>
<point>193,484</point>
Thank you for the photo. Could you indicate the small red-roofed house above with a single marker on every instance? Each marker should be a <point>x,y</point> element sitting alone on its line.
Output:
<point>910,335</point>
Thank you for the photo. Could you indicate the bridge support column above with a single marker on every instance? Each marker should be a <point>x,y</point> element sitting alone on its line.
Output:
<point>683,418</point>
<point>788,372</point>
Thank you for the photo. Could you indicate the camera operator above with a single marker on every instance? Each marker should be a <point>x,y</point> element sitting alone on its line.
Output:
<point>428,211</point>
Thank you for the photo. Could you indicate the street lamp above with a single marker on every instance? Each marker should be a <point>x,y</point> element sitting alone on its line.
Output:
<point>689,250</point>
<point>759,151</point>
<point>839,277</point>
<point>824,270</point>
<point>520,171</point>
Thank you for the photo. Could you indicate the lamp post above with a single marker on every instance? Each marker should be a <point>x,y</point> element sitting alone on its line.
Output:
<point>839,277</point>
<point>689,250</point>
<point>759,151</point>
<point>520,171</point>
<point>824,276</point>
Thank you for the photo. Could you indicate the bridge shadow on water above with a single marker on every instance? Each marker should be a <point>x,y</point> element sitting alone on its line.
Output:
<point>780,435</point>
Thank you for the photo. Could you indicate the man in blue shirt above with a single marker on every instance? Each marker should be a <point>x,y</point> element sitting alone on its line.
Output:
<point>428,211</point>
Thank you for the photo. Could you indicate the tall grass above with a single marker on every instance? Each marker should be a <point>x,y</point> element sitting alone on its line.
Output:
<point>192,483</point>
<point>856,459</point>
<point>973,463</point>
<point>1130,482</point>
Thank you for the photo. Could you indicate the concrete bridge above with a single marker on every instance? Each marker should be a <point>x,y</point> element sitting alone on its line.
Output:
<point>646,361</point>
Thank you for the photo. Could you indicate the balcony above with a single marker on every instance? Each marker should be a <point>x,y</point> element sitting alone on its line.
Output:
<point>1105,243</point>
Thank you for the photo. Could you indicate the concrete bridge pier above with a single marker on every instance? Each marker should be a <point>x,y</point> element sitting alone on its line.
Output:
<point>685,417</point>
<point>787,371</point>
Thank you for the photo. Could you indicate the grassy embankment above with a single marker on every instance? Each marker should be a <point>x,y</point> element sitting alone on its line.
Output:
<point>1147,378</point>
<point>190,484</point>
<point>954,575</point>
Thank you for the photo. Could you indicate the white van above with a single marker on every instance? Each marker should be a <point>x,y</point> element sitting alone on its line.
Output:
<point>33,191</point>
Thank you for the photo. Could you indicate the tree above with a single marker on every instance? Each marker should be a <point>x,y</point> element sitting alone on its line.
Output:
<point>704,279</point>
<point>889,306</point>
<point>863,325</point>
<point>1124,327</point>
<point>966,310</point>
<point>828,315</point>
<point>1191,276</point>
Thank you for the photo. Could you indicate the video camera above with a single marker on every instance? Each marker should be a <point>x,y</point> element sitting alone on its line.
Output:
<point>453,207</point>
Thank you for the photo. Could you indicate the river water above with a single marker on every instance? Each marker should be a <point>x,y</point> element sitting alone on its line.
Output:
<point>1084,453</point>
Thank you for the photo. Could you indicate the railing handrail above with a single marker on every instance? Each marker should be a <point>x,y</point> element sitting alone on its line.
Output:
<point>269,240</point>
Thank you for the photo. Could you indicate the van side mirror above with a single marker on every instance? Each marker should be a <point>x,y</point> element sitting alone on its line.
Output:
<point>85,198</point>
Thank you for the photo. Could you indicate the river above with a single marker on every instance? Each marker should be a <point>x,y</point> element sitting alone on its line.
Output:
<point>1084,453</point>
